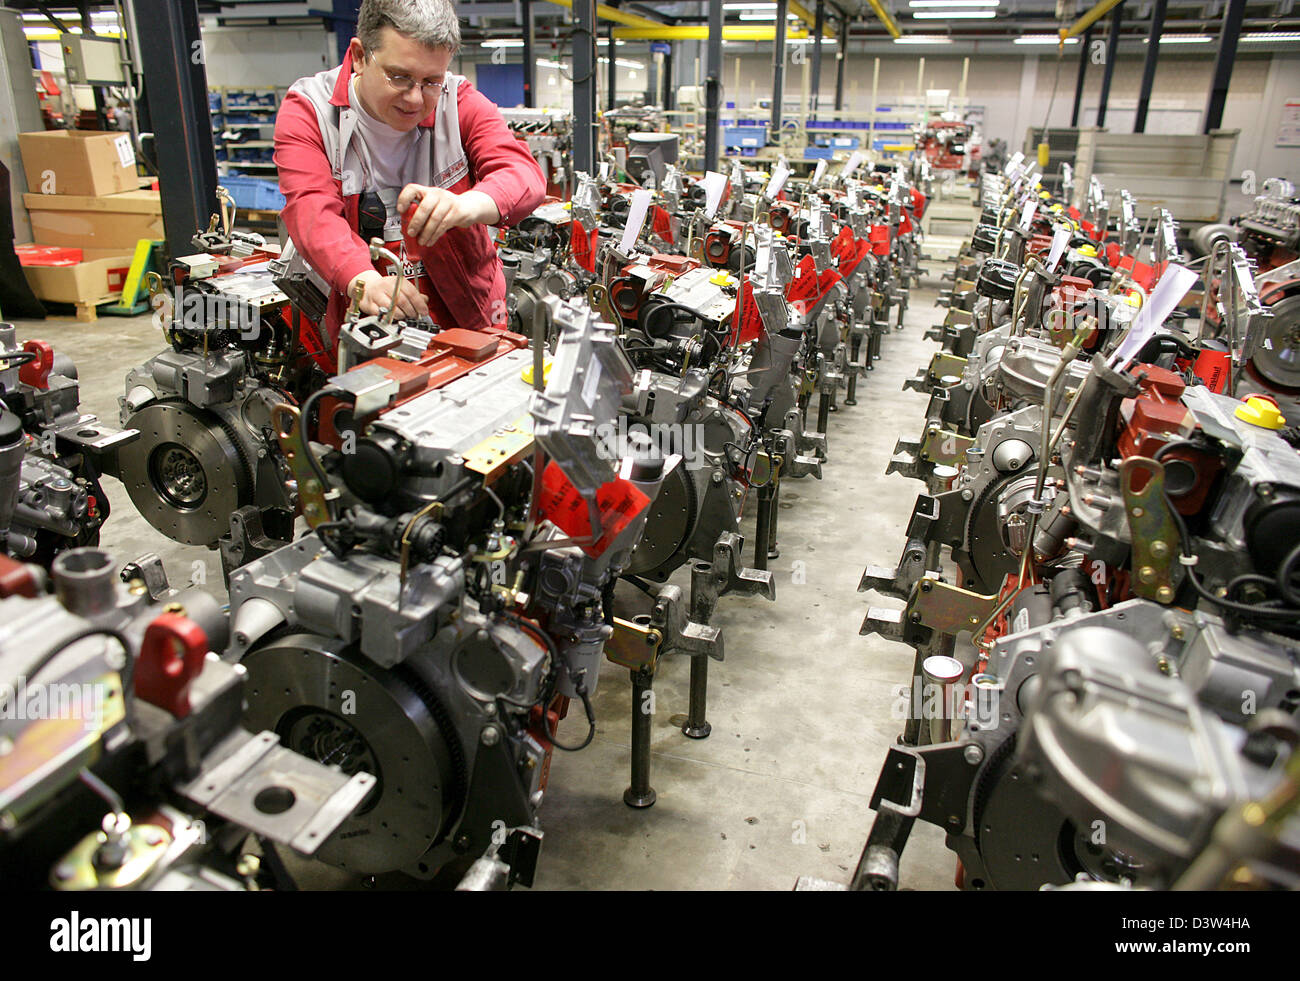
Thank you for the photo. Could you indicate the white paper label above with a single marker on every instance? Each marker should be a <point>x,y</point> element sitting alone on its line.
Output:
<point>1173,286</point>
<point>604,170</point>
<point>779,176</point>
<point>1021,621</point>
<point>1013,165</point>
<point>714,184</point>
<point>1060,238</point>
<point>820,172</point>
<point>1027,218</point>
<point>635,219</point>
<point>125,152</point>
<point>854,162</point>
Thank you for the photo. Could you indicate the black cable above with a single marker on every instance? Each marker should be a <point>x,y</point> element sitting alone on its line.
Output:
<point>21,357</point>
<point>304,421</point>
<point>1286,575</point>
<point>43,662</point>
<point>1245,609</point>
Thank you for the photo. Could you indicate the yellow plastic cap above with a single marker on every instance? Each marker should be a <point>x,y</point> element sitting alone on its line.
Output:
<point>721,279</point>
<point>1089,250</point>
<point>527,373</point>
<point>1260,411</point>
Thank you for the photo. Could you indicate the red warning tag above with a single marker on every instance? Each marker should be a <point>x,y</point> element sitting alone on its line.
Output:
<point>663,225</point>
<point>619,502</point>
<point>584,245</point>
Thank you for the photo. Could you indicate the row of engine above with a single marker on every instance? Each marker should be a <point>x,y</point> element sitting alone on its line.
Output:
<point>420,528</point>
<point>1101,579</point>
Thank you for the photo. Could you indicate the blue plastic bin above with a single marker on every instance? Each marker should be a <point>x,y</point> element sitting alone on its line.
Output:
<point>253,193</point>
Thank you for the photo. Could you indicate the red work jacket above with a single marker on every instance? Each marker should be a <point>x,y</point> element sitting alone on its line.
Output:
<point>465,284</point>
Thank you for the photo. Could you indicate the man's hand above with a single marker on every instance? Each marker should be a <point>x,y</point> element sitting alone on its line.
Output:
<point>440,210</point>
<point>378,295</point>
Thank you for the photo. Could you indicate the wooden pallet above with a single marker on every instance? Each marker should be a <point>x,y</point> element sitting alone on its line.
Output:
<point>85,311</point>
<point>257,216</point>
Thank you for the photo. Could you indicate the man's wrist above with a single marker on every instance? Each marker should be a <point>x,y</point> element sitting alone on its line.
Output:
<point>484,207</point>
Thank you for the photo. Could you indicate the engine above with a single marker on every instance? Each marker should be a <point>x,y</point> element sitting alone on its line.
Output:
<point>123,764</point>
<point>51,454</point>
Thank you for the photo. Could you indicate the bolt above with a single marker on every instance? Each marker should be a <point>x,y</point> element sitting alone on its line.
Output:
<point>1159,548</point>
<point>1146,573</point>
<point>490,736</point>
<point>64,871</point>
<point>973,754</point>
<point>1164,594</point>
<point>967,494</point>
<point>1177,632</point>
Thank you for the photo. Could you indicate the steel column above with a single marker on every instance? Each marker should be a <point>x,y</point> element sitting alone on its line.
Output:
<point>530,60</point>
<point>1112,52</point>
<point>841,58</point>
<point>778,71</point>
<point>176,90</point>
<point>1229,33</point>
<point>815,83</point>
<point>611,77</point>
<point>668,88</point>
<point>584,86</point>
<point>1083,71</point>
<point>1149,66</point>
<point>713,87</point>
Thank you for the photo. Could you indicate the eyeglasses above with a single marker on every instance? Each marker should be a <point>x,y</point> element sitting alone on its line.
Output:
<point>404,83</point>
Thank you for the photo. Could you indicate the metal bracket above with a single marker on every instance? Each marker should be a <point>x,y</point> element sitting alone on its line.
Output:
<point>1156,572</point>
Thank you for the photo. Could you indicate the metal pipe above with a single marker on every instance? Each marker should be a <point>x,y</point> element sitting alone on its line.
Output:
<point>639,793</point>
<point>1091,17</point>
<point>1078,84</point>
<point>611,14</point>
<point>700,32</point>
<point>885,18</point>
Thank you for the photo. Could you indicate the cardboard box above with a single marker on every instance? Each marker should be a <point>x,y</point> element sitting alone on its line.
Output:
<point>113,221</point>
<point>78,162</point>
<point>96,279</point>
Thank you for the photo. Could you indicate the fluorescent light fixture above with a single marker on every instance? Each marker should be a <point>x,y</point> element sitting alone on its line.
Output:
<point>954,14</point>
<point>749,6</point>
<point>1273,36</point>
<point>953,3</point>
<point>502,42</point>
<point>624,63</point>
<point>766,17</point>
<point>1181,39</point>
<point>545,63</point>
<point>1043,39</point>
<point>826,41</point>
<point>923,39</point>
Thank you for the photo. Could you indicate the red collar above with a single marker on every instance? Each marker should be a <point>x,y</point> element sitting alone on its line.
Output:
<point>342,88</point>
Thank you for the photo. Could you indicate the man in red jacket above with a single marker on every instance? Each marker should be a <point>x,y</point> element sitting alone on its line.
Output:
<point>392,127</point>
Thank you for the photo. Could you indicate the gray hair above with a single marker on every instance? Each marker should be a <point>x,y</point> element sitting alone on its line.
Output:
<point>432,23</point>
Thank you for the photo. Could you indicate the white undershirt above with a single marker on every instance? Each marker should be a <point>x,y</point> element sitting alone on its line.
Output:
<point>390,149</point>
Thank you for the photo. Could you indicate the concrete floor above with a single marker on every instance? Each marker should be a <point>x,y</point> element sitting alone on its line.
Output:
<point>800,708</point>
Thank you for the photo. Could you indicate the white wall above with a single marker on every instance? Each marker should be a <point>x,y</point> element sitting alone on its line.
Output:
<point>1016,90</point>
